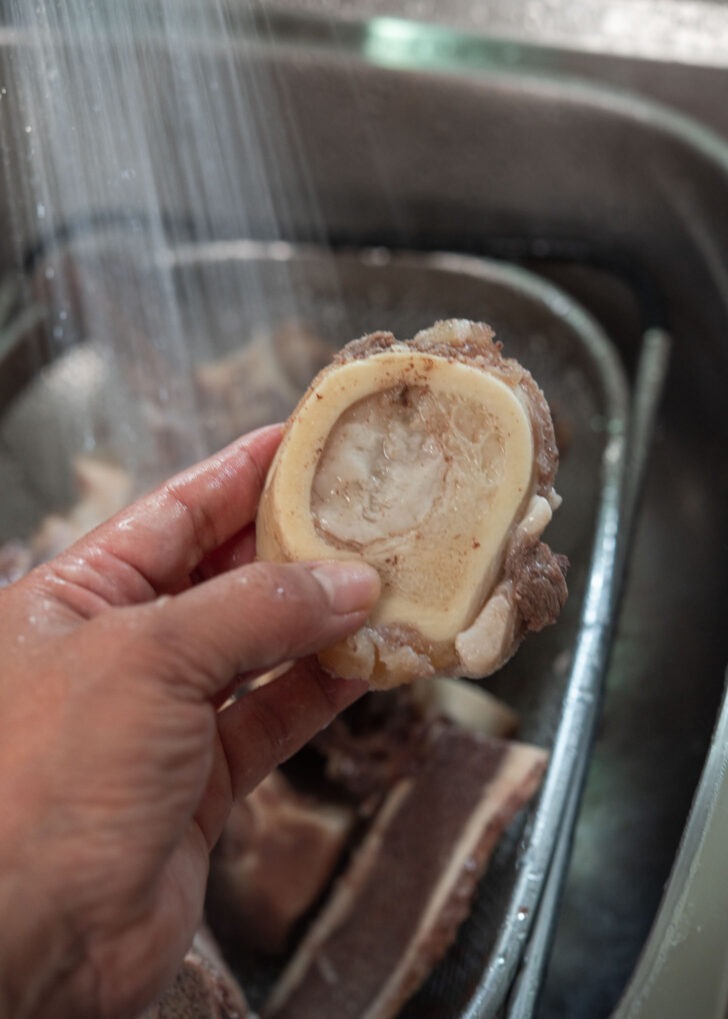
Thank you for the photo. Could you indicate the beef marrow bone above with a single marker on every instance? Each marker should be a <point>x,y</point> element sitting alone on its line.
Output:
<point>434,460</point>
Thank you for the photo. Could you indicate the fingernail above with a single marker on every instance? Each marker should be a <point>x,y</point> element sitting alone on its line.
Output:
<point>349,587</point>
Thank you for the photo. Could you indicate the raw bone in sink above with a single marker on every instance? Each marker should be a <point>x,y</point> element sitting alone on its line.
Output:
<point>396,909</point>
<point>275,857</point>
<point>434,460</point>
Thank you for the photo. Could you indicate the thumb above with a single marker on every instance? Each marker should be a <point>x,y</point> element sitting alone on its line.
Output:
<point>254,618</point>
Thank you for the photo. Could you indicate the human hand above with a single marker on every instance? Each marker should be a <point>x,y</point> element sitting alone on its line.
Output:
<point>117,768</point>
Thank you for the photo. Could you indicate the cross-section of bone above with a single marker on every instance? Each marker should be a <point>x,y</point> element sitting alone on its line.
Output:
<point>434,460</point>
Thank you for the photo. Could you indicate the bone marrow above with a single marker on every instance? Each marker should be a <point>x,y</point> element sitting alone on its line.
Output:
<point>434,460</point>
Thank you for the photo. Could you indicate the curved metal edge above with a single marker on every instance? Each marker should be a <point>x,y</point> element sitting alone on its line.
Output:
<point>573,741</point>
<point>418,45</point>
<point>436,49</point>
<point>650,378</point>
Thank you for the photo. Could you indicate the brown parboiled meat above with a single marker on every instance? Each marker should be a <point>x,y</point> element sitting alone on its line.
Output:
<point>274,858</point>
<point>434,460</point>
<point>397,907</point>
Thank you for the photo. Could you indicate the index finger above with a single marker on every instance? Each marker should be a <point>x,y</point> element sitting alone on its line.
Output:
<point>152,546</point>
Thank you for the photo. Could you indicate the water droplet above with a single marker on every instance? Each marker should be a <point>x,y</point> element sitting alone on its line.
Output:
<point>50,273</point>
<point>40,210</point>
<point>28,128</point>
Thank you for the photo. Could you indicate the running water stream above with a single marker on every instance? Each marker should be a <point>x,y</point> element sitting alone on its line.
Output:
<point>129,127</point>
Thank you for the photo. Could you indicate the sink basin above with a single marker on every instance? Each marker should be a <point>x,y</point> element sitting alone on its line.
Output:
<point>432,141</point>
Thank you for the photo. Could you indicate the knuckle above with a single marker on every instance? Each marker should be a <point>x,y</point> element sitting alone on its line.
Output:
<point>156,628</point>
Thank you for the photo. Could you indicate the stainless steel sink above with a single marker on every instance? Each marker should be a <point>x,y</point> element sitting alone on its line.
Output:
<point>429,140</point>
